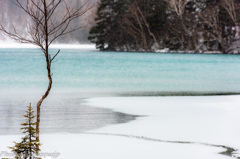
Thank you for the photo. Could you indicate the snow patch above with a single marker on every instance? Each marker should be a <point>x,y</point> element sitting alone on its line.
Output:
<point>9,44</point>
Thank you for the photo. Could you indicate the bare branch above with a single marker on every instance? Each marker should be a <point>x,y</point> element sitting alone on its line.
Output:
<point>178,5</point>
<point>55,55</point>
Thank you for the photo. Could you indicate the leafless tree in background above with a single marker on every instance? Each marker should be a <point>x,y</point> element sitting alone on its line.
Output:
<point>136,25</point>
<point>45,27</point>
<point>213,29</point>
<point>144,19</point>
<point>178,6</point>
<point>139,26</point>
<point>130,29</point>
<point>229,6</point>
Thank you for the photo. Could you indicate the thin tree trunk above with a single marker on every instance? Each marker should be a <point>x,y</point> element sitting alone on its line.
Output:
<point>137,18</point>
<point>147,25</point>
<point>136,41</point>
<point>48,62</point>
<point>30,135</point>
<point>43,97</point>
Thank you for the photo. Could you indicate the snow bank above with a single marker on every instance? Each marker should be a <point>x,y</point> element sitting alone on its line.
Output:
<point>213,120</point>
<point>54,46</point>
<point>87,146</point>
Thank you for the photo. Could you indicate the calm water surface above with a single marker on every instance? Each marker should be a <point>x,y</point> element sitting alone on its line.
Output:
<point>86,71</point>
<point>79,74</point>
<point>61,114</point>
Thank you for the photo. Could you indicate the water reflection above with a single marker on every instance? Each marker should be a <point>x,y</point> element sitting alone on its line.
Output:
<point>58,115</point>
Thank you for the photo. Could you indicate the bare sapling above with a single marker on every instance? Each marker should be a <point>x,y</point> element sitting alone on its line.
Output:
<point>48,20</point>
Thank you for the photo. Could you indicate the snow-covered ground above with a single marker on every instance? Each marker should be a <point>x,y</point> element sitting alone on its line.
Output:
<point>203,124</point>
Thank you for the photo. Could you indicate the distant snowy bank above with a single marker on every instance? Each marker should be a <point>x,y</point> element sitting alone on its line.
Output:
<point>11,44</point>
<point>167,50</point>
<point>53,46</point>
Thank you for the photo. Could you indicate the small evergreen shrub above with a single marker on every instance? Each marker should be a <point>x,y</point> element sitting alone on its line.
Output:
<point>29,146</point>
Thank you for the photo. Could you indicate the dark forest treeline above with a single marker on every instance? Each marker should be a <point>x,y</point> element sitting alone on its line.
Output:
<point>149,25</point>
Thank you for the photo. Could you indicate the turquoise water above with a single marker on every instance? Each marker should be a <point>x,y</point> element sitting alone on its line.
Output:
<point>98,73</point>
<point>78,74</point>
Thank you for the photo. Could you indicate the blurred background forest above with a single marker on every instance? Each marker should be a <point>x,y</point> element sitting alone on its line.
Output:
<point>11,14</point>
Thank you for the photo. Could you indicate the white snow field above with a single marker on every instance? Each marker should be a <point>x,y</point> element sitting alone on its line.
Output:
<point>207,122</point>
